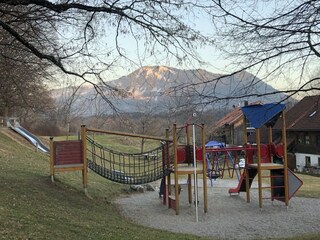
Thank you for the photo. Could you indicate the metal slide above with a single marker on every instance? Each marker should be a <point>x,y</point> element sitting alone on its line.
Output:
<point>27,135</point>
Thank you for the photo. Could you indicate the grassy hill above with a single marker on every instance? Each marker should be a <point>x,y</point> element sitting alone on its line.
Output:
<point>32,207</point>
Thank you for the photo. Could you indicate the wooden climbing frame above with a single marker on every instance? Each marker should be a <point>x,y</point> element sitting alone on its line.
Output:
<point>183,165</point>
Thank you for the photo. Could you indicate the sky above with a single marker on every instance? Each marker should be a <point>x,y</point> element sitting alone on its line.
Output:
<point>214,61</point>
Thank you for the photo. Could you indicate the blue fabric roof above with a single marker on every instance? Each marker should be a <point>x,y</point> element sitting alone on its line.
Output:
<point>259,114</point>
<point>215,144</point>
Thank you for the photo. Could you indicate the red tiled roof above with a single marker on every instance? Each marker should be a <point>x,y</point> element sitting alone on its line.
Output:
<point>231,118</point>
<point>305,115</point>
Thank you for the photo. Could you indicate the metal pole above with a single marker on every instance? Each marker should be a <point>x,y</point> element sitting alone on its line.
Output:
<point>204,176</point>
<point>195,171</point>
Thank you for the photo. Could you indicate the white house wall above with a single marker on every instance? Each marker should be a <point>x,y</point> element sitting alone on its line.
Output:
<point>301,160</point>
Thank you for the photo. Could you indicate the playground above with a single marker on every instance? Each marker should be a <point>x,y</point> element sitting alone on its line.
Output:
<point>184,170</point>
<point>228,217</point>
<point>189,180</point>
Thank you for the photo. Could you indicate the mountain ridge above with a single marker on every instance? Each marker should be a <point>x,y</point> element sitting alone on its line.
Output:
<point>162,85</point>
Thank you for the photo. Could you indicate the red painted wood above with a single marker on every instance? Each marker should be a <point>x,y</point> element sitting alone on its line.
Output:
<point>67,152</point>
<point>199,153</point>
<point>181,154</point>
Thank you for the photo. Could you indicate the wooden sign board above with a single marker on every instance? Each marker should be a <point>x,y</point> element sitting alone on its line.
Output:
<point>67,152</point>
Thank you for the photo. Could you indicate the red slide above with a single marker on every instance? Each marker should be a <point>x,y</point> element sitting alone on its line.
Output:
<point>242,182</point>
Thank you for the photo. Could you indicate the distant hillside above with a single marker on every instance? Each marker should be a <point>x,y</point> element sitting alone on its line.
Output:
<point>161,87</point>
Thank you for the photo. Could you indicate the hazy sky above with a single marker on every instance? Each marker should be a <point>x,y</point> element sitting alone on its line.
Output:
<point>213,60</point>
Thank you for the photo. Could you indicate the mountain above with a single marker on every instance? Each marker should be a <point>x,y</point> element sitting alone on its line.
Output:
<point>161,87</point>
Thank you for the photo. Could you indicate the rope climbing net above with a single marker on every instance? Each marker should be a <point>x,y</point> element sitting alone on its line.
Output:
<point>128,168</point>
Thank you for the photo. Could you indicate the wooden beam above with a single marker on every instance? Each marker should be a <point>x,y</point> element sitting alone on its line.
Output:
<point>258,138</point>
<point>51,159</point>
<point>84,155</point>
<point>128,134</point>
<point>245,139</point>
<point>176,183</point>
<point>285,159</point>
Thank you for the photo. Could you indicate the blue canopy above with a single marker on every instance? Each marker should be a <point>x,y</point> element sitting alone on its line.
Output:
<point>259,114</point>
<point>215,144</point>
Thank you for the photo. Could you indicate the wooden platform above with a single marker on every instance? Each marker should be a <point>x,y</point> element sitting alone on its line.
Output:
<point>266,166</point>
<point>185,169</point>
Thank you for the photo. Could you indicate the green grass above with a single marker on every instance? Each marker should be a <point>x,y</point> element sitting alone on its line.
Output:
<point>310,187</point>
<point>32,207</point>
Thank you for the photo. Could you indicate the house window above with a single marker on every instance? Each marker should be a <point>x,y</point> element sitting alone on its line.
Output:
<point>318,161</point>
<point>318,140</point>
<point>307,139</point>
<point>308,161</point>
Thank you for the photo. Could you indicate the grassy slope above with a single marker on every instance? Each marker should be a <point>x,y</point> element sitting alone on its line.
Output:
<point>31,207</point>
<point>310,187</point>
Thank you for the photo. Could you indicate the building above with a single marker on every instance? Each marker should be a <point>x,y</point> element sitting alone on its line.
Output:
<point>303,134</point>
<point>229,129</point>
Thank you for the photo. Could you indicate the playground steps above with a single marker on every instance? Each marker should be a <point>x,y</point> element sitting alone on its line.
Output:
<point>277,184</point>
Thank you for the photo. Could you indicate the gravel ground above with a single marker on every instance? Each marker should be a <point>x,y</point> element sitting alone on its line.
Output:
<point>228,217</point>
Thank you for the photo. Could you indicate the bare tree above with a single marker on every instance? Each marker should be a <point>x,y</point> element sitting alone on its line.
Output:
<point>21,87</point>
<point>86,38</point>
<point>22,75</point>
<point>69,104</point>
<point>275,40</point>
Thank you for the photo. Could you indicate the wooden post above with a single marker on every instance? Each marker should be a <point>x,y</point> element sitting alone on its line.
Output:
<point>270,134</point>
<point>205,190</point>
<point>84,155</point>
<point>285,159</point>
<point>259,167</point>
<point>169,177</point>
<point>51,159</point>
<point>270,141</point>
<point>166,191</point>
<point>176,183</point>
<point>245,137</point>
